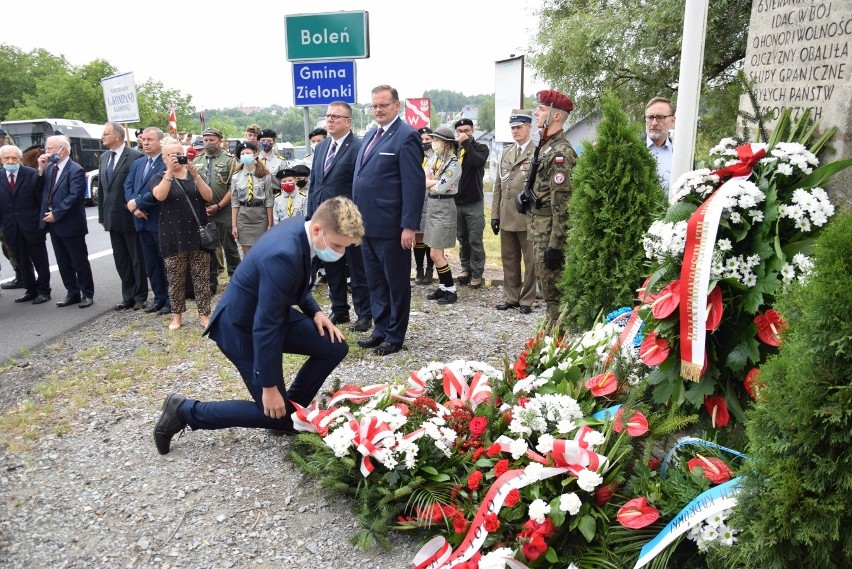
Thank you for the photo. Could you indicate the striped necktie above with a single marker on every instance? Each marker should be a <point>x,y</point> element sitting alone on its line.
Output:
<point>331,154</point>
<point>110,166</point>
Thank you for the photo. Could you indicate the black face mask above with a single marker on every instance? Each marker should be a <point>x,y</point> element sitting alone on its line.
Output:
<point>427,146</point>
<point>301,183</point>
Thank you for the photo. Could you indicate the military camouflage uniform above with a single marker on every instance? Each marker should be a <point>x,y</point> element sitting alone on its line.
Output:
<point>219,180</point>
<point>546,225</point>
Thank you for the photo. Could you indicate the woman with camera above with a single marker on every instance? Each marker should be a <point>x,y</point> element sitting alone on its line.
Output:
<point>252,197</point>
<point>182,215</point>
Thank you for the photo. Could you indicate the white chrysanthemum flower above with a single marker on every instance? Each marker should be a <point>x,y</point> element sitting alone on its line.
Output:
<point>518,448</point>
<point>588,480</point>
<point>570,503</point>
<point>533,470</point>
<point>594,439</point>
<point>749,279</point>
<point>496,559</point>
<point>756,215</point>
<point>724,245</point>
<point>784,169</point>
<point>788,273</point>
<point>340,440</point>
<point>538,510</point>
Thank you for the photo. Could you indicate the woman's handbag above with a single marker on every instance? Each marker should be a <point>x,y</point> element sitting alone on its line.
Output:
<point>209,233</point>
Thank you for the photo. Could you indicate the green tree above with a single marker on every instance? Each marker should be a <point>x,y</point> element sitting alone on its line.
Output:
<point>793,510</point>
<point>486,114</point>
<point>616,198</point>
<point>633,48</point>
<point>20,72</point>
<point>154,101</point>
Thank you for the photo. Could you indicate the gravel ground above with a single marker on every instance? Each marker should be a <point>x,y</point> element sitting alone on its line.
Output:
<point>88,488</point>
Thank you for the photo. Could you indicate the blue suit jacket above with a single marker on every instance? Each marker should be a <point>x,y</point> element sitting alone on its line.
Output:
<point>21,210</point>
<point>250,321</point>
<point>137,187</point>
<point>390,186</point>
<point>338,180</point>
<point>67,201</point>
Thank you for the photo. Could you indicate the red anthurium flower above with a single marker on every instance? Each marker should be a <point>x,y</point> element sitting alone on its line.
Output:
<point>715,469</point>
<point>512,498</point>
<point>637,425</point>
<point>604,492</point>
<point>714,308</point>
<point>602,384</point>
<point>653,351</point>
<point>752,383</point>
<point>718,410</point>
<point>645,295</point>
<point>667,301</point>
<point>769,326</point>
<point>474,480</point>
<point>477,425</point>
<point>491,523</point>
<point>637,513</point>
<point>534,547</point>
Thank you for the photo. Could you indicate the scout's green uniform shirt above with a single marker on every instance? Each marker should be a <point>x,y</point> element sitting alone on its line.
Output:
<point>216,171</point>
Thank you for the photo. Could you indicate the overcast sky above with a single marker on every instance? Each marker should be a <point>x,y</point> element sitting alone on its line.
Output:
<point>172,42</point>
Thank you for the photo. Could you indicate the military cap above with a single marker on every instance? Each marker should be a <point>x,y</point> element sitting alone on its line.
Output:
<point>463,122</point>
<point>268,133</point>
<point>424,130</point>
<point>212,132</point>
<point>285,173</point>
<point>301,170</point>
<point>254,127</point>
<point>242,146</point>
<point>519,117</point>
<point>555,99</point>
<point>444,133</point>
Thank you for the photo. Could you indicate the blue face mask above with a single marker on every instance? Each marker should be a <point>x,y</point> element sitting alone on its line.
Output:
<point>327,255</point>
<point>11,167</point>
<point>266,146</point>
<point>54,158</point>
<point>247,159</point>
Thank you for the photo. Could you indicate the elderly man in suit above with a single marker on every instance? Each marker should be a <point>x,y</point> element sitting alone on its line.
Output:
<point>511,225</point>
<point>331,175</point>
<point>255,321</point>
<point>63,214</point>
<point>117,220</point>
<point>389,190</point>
<point>20,206</point>
<point>145,210</point>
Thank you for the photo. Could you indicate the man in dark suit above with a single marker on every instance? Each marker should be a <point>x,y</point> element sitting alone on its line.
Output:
<point>63,214</point>
<point>389,189</point>
<point>255,322</point>
<point>146,215</point>
<point>20,206</point>
<point>331,175</point>
<point>117,220</point>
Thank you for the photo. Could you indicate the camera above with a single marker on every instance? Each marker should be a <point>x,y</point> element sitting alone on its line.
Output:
<point>181,158</point>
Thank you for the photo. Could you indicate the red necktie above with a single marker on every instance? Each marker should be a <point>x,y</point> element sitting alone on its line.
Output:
<point>12,182</point>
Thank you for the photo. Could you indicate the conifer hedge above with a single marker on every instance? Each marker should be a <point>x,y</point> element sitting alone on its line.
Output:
<point>616,198</point>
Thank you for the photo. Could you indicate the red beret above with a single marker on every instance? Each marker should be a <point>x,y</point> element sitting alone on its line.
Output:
<point>555,99</point>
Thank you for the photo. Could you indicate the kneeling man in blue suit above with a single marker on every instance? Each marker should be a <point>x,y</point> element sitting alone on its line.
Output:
<point>255,322</point>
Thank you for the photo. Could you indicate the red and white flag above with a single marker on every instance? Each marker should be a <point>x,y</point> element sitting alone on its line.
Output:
<point>417,112</point>
<point>172,122</point>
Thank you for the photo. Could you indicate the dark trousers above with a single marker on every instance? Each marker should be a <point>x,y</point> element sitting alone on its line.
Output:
<point>301,337</point>
<point>150,244</point>
<point>388,269</point>
<point>130,265</point>
<point>470,225</point>
<point>32,258</point>
<point>351,265</point>
<point>72,257</point>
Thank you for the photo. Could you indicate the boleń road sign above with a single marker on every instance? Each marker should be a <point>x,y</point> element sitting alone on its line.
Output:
<point>333,35</point>
<point>322,82</point>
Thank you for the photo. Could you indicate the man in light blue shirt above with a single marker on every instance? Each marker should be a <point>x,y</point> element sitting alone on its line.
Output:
<point>659,121</point>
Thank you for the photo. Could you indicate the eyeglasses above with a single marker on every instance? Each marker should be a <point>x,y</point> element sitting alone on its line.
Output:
<point>336,117</point>
<point>658,118</point>
<point>379,107</point>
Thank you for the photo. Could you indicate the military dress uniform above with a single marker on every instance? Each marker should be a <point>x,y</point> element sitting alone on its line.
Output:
<point>512,174</point>
<point>216,171</point>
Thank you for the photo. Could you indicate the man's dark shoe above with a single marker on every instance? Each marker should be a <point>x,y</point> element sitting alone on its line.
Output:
<point>418,275</point>
<point>436,294</point>
<point>448,298</point>
<point>170,423</point>
<point>153,307</point>
<point>69,300</point>
<point>475,282</point>
<point>86,302</point>
<point>506,306</point>
<point>371,342</point>
<point>14,283</point>
<point>525,309</point>
<point>362,325</point>
<point>138,305</point>
<point>125,305</point>
<point>27,297</point>
<point>166,309</point>
<point>41,299</point>
<point>464,279</point>
<point>339,318</point>
<point>386,348</point>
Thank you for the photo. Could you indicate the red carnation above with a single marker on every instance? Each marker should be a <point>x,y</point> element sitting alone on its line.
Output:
<point>637,425</point>
<point>715,469</point>
<point>491,524</point>
<point>493,450</point>
<point>637,513</point>
<point>653,351</point>
<point>547,529</point>
<point>718,410</point>
<point>474,480</point>
<point>534,547</point>
<point>604,492</point>
<point>459,523</point>
<point>501,467</point>
<point>666,301</point>
<point>752,383</point>
<point>478,425</point>
<point>714,308</point>
<point>769,326</point>
<point>512,498</point>
<point>602,384</point>
<point>477,453</point>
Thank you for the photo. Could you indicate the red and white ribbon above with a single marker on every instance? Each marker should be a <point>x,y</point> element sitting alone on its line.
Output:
<point>371,435</point>
<point>312,419</point>
<point>357,394</point>
<point>457,388</point>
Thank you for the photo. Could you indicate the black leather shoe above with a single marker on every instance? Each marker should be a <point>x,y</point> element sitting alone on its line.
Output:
<point>126,305</point>
<point>506,306</point>
<point>436,294</point>
<point>153,307</point>
<point>41,299</point>
<point>170,423</point>
<point>362,325</point>
<point>448,298</point>
<point>27,297</point>
<point>525,309</point>
<point>14,283</point>
<point>69,300</point>
<point>386,349</point>
<point>371,342</point>
<point>86,302</point>
<point>166,309</point>
<point>339,318</point>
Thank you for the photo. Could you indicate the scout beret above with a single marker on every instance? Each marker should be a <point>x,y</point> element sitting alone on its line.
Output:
<point>519,117</point>
<point>242,146</point>
<point>268,133</point>
<point>318,131</point>
<point>463,122</point>
<point>424,130</point>
<point>555,99</point>
<point>301,170</point>
<point>212,132</point>
<point>285,173</point>
<point>444,133</point>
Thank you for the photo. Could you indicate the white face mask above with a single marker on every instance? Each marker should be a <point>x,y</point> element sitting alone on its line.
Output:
<point>437,146</point>
<point>327,255</point>
<point>313,146</point>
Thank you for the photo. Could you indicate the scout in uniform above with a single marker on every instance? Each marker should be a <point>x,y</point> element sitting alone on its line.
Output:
<point>292,199</point>
<point>269,155</point>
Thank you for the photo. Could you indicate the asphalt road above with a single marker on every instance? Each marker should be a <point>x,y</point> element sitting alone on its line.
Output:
<point>24,326</point>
